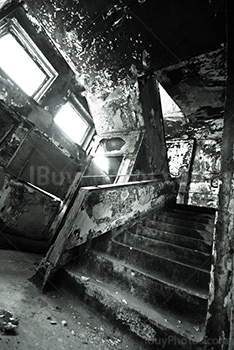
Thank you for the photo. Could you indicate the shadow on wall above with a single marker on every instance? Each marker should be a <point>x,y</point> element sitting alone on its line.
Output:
<point>25,216</point>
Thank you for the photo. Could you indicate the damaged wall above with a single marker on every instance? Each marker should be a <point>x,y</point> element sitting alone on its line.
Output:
<point>25,215</point>
<point>205,175</point>
<point>197,164</point>
<point>99,210</point>
<point>199,91</point>
<point>41,114</point>
<point>33,149</point>
<point>221,302</point>
<point>110,45</point>
<point>107,47</point>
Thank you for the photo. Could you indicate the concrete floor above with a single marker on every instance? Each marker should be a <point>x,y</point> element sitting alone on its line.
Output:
<point>36,313</point>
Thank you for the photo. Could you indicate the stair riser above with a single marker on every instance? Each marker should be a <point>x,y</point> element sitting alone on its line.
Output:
<point>117,313</point>
<point>149,289</point>
<point>186,216</point>
<point>173,252</point>
<point>193,212</point>
<point>183,223</point>
<point>179,240</point>
<point>178,273</point>
<point>195,208</point>
<point>184,231</point>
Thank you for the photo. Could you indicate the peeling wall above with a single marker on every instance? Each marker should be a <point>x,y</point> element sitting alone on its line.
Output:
<point>199,90</point>
<point>109,48</point>
<point>204,186</point>
<point>41,114</point>
<point>32,147</point>
<point>25,215</point>
<point>117,109</point>
<point>197,85</point>
<point>98,210</point>
<point>197,165</point>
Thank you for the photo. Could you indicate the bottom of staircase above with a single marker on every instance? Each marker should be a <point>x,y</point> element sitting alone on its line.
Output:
<point>153,325</point>
<point>151,277</point>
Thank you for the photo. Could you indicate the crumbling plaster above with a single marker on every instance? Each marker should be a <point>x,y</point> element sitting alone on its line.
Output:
<point>99,210</point>
<point>109,45</point>
<point>25,213</point>
<point>113,95</point>
<point>196,84</point>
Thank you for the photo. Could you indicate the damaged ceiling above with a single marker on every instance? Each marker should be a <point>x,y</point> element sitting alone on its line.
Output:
<point>110,43</point>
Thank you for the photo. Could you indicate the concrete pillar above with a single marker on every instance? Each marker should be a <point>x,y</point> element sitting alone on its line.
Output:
<point>219,329</point>
<point>153,119</point>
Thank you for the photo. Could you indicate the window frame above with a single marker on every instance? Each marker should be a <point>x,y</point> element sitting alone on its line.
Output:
<point>13,27</point>
<point>85,116</point>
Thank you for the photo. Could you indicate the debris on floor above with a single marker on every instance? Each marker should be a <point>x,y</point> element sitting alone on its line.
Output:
<point>7,322</point>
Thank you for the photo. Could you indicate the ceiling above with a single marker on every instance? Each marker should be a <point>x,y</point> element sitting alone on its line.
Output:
<point>110,42</point>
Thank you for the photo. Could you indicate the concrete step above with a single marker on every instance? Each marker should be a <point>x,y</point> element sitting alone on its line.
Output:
<point>163,217</point>
<point>173,213</point>
<point>143,320</point>
<point>193,211</point>
<point>184,231</point>
<point>178,273</point>
<point>148,286</point>
<point>174,252</point>
<point>164,236</point>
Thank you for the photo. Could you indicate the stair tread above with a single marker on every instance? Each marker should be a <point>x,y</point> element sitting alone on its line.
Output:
<point>178,226</point>
<point>156,276</point>
<point>179,230</point>
<point>199,209</point>
<point>185,216</point>
<point>164,244</point>
<point>189,223</point>
<point>158,317</point>
<point>172,234</point>
<point>190,211</point>
<point>175,245</point>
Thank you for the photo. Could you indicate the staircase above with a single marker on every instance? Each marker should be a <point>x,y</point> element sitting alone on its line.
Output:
<point>151,275</point>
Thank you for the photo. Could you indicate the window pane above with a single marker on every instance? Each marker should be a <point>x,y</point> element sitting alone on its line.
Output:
<point>69,120</point>
<point>169,107</point>
<point>18,64</point>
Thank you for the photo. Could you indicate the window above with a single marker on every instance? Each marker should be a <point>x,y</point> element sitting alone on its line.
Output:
<point>23,62</point>
<point>169,107</point>
<point>73,119</point>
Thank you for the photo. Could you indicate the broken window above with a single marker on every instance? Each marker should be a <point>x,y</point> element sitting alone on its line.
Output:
<point>74,120</point>
<point>23,62</point>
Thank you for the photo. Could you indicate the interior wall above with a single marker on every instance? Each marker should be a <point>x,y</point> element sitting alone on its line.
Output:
<point>25,215</point>
<point>196,163</point>
<point>199,91</point>
<point>34,150</point>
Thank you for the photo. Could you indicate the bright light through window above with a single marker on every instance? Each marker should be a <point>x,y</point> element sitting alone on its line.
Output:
<point>70,121</point>
<point>169,107</point>
<point>15,61</point>
<point>101,161</point>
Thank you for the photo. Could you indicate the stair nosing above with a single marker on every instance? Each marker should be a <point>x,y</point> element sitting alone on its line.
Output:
<point>162,257</point>
<point>187,221</point>
<point>107,256</point>
<point>175,234</point>
<point>173,245</point>
<point>101,287</point>
<point>178,226</point>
